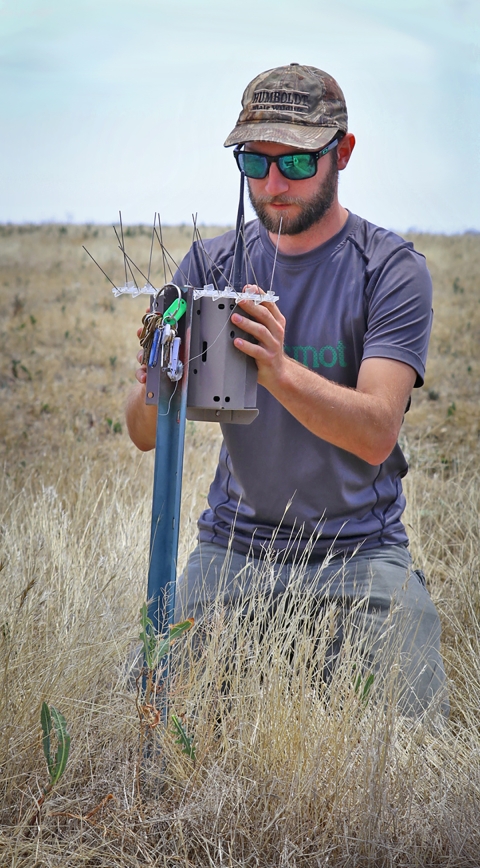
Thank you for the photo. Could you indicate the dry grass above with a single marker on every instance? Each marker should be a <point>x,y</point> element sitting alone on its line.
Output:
<point>287,773</point>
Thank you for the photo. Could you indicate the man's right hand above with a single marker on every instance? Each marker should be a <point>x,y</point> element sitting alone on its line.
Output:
<point>141,418</point>
<point>141,372</point>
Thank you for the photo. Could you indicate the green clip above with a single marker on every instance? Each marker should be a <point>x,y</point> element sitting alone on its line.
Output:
<point>175,311</point>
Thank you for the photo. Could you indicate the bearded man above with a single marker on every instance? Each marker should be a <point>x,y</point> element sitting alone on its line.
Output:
<point>316,478</point>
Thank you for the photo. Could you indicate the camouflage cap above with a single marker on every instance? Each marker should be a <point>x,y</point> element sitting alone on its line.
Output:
<point>294,105</point>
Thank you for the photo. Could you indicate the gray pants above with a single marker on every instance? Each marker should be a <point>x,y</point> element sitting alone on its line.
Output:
<point>377,591</point>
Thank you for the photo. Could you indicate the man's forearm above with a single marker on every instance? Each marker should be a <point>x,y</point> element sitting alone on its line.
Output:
<point>356,420</point>
<point>365,420</point>
<point>141,419</point>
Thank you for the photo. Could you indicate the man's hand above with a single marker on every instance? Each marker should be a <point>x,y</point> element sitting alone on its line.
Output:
<point>365,421</point>
<point>141,418</point>
<point>141,373</point>
<point>268,328</point>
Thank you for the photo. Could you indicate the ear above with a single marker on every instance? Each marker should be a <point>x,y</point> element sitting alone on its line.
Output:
<point>344,150</point>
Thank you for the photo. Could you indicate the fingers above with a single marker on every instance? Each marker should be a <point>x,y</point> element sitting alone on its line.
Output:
<point>252,350</point>
<point>252,287</point>
<point>269,336</point>
<point>258,330</point>
<point>265,325</point>
<point>141,375</point>
<point>251,307</point>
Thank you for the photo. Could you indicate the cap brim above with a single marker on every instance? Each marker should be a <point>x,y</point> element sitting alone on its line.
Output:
<point>294,135</point>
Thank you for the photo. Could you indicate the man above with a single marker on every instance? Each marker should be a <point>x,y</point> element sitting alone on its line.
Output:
<point>316,478</point>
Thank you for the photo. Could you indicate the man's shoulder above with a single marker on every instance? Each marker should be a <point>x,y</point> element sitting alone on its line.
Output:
<point>377,245</point>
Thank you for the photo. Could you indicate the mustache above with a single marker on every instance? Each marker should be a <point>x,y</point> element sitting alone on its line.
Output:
<point>279,200</point>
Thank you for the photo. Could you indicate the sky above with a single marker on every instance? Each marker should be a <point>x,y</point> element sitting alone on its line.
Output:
<point>125,104</point>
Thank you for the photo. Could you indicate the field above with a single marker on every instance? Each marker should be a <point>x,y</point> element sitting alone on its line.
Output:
<point>284,774</point>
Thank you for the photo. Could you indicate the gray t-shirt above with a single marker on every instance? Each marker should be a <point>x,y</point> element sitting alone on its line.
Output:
<point>364,293</point>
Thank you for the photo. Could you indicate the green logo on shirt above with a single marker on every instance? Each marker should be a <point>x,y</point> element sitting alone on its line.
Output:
<point>325,357</point>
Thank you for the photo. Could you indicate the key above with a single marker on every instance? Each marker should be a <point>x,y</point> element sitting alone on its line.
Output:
<point>168,335</point>
<point>150,321</point>
<point>175,366</point>
<point>155,348</point>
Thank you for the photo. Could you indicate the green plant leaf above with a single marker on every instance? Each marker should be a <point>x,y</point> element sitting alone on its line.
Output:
<point>163,646</point>
<point>177,630</point>
<point>63,749</point>
<point>156,647</point>
<point>147,636</point>
<point>184,740</point>
<point>46,721</point>
<point>367,687</point>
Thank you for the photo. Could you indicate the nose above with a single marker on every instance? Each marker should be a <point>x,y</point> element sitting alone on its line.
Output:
<point>275,182</point>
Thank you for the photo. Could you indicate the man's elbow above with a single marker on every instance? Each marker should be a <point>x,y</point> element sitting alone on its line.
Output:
<point>141,439</point>
<point>141,420</point>
<point>143,445</point>
<point>376,455</point>
<point>376,449</point>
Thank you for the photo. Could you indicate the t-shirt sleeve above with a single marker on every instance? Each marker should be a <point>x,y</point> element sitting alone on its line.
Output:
<point>399,313</point>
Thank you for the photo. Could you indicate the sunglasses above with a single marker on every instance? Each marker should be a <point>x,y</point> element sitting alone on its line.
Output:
<point>295,167</point>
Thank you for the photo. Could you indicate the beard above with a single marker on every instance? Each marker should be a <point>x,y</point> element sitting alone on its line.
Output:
<point>312,211</point>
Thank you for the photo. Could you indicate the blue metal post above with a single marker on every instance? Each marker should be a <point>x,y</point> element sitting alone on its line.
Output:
<point>167,487</point>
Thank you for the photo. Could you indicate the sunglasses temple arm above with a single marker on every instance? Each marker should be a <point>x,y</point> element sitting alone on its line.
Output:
<point>239,239</point>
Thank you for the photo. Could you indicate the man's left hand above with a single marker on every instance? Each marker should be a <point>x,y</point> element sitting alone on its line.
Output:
<point>267,326</point>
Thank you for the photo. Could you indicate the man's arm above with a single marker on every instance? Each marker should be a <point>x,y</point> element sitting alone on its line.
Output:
<point>365,421</point>
<point>141,418</point>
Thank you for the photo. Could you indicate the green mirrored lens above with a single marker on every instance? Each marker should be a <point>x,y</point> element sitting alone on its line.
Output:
<point>297,166</point>
<point>254,165</point>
